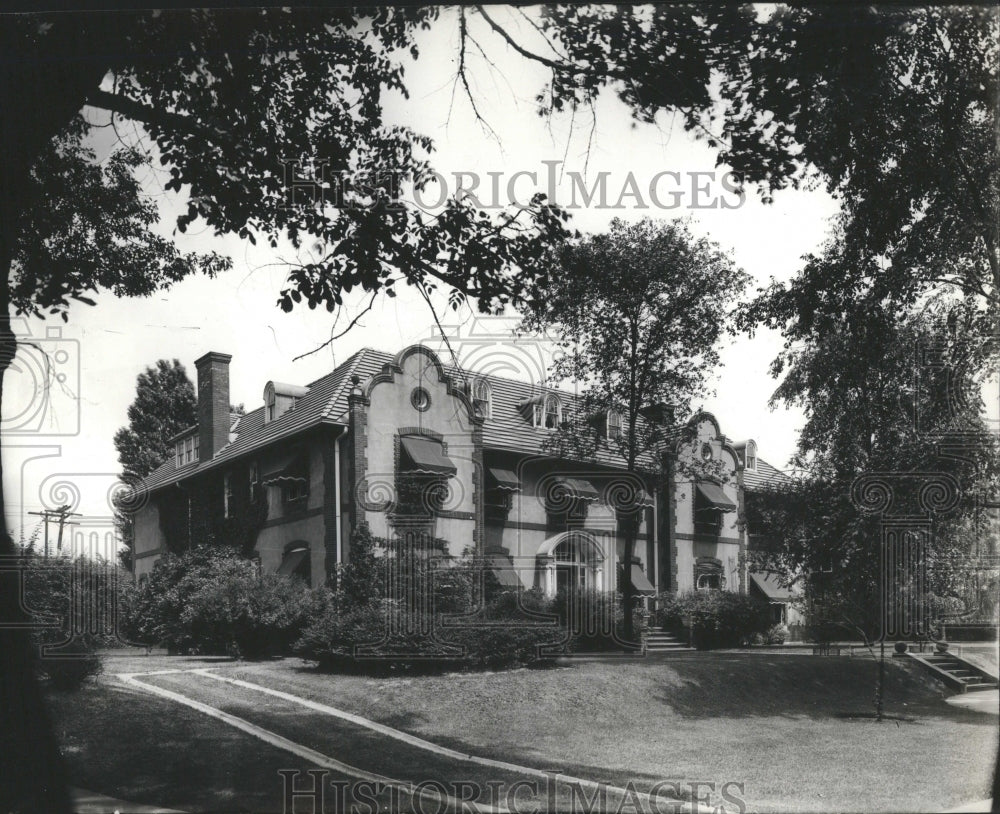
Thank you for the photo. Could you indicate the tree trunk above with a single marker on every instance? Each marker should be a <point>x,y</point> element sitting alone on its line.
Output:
<point>628,589</point>
<point>32,774</point>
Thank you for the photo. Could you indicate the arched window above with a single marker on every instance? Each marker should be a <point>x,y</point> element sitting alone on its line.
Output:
<point>482,396</point>
<point>614,425</point>
<point>576,565</point>
<point>553,412</point>
<point>751,456</point>
<point>296,562</point>
<point>270,403</point>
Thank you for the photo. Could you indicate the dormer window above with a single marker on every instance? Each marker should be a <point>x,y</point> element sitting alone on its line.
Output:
<point>552,412</point>
<point>545,411</point>
<point>482,397</point>
<point>614,425</point>
<point>186,450</point>
<point>751,456</point>
<point>279,398</point>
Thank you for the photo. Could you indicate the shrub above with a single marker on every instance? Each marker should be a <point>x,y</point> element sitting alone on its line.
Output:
<point>528,626</point>
<point>335,631</point>
<point>339,630</point>
<point>725,619</point>
<point>776,634</point>
<point>214,602</point>
<point>594,620</point>
<point>73,601</point>
<point>671,613</point>
<point>718,618</point>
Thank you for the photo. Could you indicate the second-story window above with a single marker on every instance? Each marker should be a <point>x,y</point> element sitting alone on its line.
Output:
<point>179,447</point>
<point>296,491</point>
<point>295,482</point>
<point>254,478</point>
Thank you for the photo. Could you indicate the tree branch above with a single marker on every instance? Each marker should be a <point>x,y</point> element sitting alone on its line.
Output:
<point>334,338</point>
<point>137,111</point>
<point>556,66</point>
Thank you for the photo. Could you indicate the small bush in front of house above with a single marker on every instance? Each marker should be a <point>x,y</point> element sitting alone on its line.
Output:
<point>671,613</point>
<point>776,634</point>
<point>334,633</point>
<point>384,635</point>
<point>724,618</point>
<point>594,620</point>
<point>213,601</point>
<point>514,628</point>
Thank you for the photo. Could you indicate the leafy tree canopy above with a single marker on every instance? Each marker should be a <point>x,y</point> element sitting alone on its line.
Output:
<point>164,405</point>
<point>636,315</point>
<point>892,107</point>
<point>889,397</point>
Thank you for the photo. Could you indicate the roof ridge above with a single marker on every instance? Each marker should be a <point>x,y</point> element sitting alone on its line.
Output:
<point>349,366</point>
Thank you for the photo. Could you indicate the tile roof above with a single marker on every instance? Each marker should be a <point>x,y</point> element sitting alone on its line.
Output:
<point>765,476</point>
<point>325,402</point>
<point>508,428</point>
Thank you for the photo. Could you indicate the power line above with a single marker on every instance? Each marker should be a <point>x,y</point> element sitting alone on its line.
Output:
<point>62,515</point>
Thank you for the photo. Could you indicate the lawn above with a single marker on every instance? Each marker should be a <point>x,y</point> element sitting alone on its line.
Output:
<point>793,729</point>
<point>146,750</point>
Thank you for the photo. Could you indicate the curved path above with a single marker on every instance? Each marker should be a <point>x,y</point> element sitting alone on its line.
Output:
<point>417,767</point>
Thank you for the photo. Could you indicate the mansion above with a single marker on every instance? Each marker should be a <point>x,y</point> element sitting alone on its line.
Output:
<point>289,481</point>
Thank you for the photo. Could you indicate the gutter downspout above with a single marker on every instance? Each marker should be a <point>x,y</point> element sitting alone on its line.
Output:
<point>336,488</point>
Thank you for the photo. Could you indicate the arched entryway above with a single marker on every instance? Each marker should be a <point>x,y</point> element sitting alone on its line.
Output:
<point>297,562</point>
<point>570,560</point>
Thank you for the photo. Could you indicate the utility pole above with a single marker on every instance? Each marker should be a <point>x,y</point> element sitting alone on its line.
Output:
<point>62,515</point>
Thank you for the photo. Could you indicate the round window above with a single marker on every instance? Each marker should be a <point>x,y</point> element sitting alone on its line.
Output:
<point>706,452</point>
<point>420,399</point>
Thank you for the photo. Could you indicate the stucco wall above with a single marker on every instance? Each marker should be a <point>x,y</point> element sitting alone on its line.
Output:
<point>149,539</point>
<point>690,546</point>
<point>526,530</point>
<point>271,544</point>
<point>391,409</point>
<point>286,524</point>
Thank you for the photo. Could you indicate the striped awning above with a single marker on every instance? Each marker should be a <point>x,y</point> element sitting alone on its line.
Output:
<point>503,479</point>
<point>427,456</point>
<point>290,468</point>
<point>502,568</point>
<point>579,488</point>
<point>292,561</point>
<point>715,497</point>
<point>640,582</point>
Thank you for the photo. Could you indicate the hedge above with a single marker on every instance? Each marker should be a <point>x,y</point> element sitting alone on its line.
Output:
<point>717,618</point>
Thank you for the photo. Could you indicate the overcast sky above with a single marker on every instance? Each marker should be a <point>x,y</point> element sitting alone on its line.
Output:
<point>102,349</point>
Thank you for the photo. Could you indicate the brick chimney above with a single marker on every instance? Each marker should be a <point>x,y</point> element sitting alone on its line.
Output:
<point>213,403</point>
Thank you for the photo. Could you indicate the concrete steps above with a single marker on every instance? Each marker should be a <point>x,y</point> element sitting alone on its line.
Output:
<point>659,641</point>
<point>956,672</point>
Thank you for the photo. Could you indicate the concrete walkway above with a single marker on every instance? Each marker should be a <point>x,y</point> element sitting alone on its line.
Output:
<point>90,802</point>
<point>985,701</point>
<point>988,703</point>
<point>968,808</point>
